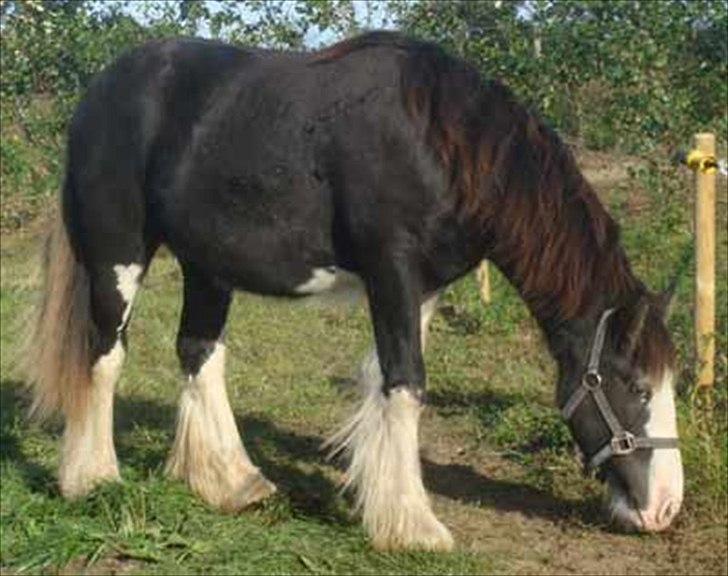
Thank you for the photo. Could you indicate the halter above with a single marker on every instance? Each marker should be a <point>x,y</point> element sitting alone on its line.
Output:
<point>622,442</point>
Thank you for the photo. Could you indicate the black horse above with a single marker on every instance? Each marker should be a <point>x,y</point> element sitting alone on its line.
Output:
<point>380,159</point>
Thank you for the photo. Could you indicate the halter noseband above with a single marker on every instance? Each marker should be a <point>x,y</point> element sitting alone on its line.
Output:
<point>622,442</point>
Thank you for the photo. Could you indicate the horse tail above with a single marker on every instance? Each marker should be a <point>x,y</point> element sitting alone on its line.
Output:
<point>56,360</point>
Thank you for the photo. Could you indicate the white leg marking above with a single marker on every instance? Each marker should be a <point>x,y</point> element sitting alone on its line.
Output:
<point>127,283</point>
<point>381,444</point>
<point>427,311</point>
<point>87,454</point>
<point>384,472</point>
<point>208,453</point>
<point>370,375</point>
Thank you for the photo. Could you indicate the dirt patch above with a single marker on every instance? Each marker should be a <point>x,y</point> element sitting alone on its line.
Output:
<point>483,497</point>
<point>604,170</point>
<point>111,566</point>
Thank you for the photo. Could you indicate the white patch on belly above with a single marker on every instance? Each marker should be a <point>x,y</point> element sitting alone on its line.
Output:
<point>332,286</point>
<point>322,280</point>
<point>127,283</point>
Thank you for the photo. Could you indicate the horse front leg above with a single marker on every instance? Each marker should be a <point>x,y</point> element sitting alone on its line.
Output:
<point>381,439</point>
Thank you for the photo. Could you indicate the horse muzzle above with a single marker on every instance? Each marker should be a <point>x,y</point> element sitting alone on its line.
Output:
<point>656,518</point>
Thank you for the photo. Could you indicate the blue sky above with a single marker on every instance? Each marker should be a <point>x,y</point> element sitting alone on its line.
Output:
<point>370,14</point>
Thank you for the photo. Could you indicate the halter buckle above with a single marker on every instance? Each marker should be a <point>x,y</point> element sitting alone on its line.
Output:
<point>623,444</point>
<point>591,380</point>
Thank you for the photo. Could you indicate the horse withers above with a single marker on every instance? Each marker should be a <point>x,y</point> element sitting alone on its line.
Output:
<point>382,159</point>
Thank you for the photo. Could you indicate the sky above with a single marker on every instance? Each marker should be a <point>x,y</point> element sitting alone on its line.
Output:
<point>370,14</point>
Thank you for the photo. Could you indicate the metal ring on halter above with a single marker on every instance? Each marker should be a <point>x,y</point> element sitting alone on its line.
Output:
<point>592,380</point>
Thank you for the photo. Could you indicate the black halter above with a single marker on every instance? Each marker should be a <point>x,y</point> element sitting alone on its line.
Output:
<point>622,442</point>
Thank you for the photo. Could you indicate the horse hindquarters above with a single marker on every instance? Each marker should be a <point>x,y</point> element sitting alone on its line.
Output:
<point>78,343</point>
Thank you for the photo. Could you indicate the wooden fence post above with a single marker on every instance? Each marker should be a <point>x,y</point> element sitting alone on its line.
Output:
<point>705,264</point>
<point>484,281</point>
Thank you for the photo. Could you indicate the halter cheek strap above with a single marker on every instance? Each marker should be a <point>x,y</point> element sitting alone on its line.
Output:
<point>622,441</point>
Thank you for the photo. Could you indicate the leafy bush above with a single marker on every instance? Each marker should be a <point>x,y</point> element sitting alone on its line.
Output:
<point>630,75</point>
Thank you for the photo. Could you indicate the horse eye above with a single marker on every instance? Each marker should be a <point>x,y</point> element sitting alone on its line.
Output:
<point>637,390</point>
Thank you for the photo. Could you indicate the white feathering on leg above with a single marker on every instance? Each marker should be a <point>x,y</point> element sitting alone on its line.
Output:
<point>384,472</point>
<point>208,453</point>
<point>381,445</point>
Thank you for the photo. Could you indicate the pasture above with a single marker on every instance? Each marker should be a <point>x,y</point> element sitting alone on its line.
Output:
<point>498,461</point>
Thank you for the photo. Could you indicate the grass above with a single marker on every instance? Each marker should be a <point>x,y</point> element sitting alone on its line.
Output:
<point>497,459</point>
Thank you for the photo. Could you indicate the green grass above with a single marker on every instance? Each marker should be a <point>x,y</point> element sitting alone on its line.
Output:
<point>496,456</point>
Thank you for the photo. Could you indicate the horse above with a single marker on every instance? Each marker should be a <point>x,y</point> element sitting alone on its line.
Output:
<point>382,160</point>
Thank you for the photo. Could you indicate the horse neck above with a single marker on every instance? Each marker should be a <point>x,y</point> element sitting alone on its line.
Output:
<point>551,236</point>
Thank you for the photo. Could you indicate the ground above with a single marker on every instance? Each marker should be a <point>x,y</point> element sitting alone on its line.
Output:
<point>497,460</point>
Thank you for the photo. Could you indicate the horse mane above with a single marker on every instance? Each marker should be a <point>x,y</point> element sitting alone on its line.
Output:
<point>375,39</point>
<point>511,174</point>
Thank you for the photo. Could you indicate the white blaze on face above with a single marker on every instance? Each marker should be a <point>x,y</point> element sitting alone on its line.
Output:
<point>665,472</point>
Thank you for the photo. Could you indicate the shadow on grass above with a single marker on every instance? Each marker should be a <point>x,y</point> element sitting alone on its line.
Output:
<point>272,448</point>
<point>282,455</point>
<point>463,483</point>
<point>14,404</point>
<point>483,401</point>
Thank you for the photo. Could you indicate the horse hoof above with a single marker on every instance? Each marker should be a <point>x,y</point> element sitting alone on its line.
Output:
<point>427,534</point>
<point>255,488</point>
<point>81,483</point>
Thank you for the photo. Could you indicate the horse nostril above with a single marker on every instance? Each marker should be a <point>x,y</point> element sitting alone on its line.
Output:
<point>666,513</point>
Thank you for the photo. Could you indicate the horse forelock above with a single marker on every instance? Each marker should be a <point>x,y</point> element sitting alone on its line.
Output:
<point>654,353</point>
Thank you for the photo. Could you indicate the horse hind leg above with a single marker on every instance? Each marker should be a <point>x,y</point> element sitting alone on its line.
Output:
<point>208,453</point>
<point>88,457</point>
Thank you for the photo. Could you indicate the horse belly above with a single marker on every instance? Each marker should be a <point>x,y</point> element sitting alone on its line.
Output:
<point>284,257</point>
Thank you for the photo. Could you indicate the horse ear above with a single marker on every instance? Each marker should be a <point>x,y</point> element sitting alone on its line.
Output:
<point>636,325</point>
<point>664,300</point>
<point>663,303</point>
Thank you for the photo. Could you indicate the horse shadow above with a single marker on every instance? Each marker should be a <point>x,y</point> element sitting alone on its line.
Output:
<point>275,450</point>
<point>14,407</point>
<point>293,460</point>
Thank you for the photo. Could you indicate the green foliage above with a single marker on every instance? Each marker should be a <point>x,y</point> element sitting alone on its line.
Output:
<point>632,75</point>
<point>51,50</point>
<point>612,74</point>
<point>497,456</point>
<point>628,74</point>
